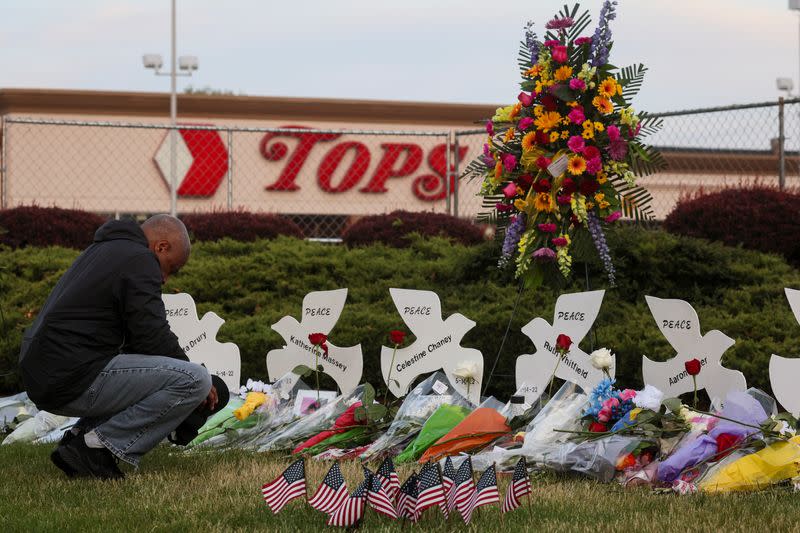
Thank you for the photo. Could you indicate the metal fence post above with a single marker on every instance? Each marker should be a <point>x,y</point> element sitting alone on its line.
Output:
<point>456,173</point>
<point>230,169</point>
<point>448,162</point>
<point>781,144</point>
<point>3,164</point>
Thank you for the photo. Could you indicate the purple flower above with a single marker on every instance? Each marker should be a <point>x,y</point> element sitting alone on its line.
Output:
<point>531,42</point>
<point>544,255</point>
<point>599,239</point>
<point>560,23</point>
<point>618,150</point>
<point>598,53</point>
<point>509,162</point>
<point>513,234</point>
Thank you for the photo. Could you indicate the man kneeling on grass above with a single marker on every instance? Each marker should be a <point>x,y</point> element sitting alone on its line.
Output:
<point>101,349</point>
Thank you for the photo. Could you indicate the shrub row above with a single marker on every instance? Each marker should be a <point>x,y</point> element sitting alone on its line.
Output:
<point>396,228</point>
<point>252,285</point>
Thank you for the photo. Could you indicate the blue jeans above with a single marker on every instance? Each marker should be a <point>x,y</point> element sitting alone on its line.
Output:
<point>137,400</point>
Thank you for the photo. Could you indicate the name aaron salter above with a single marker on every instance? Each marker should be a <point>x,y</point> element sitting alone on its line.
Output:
<point>432,347</point>
<point>300,343</point>
<point>569,363</point>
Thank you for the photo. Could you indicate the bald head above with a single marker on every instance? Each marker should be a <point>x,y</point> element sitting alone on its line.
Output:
<point>168,239</point>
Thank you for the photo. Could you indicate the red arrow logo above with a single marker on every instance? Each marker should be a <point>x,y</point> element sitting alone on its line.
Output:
<point>209,165</point>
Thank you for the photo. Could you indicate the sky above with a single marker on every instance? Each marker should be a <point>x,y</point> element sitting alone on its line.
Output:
<point>699,53</point>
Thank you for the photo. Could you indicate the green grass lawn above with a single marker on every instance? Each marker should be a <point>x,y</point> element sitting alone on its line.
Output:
<point>175,491</point>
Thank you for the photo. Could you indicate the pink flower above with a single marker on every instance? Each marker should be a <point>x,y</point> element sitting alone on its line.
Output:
<point>560,54</point>
<point>509,161</point>
<point>547,228</point>
<point>559,23</point>
<point>618,150</point>
<point>577,84</point>
<point>604,415</point>
<point>510,190</point>
<point>594,165</point>
<point>611,403</point>
<point>613,217</point>
<point>524,123</point>
<point>627,394</point>
<point>489,127</point>
<point>580,41</point>
<point>551,42</point>
<point>525,98</point>
<point>576,116</point>
<point>564,199</point>
<point>613,133</point>
<point>503,207</point>
<point>591,151</point>
<point>576,144</point>
<point>544,255</point>
<point>634,133</point>
<point>559,241</point>
<point>543,162</point>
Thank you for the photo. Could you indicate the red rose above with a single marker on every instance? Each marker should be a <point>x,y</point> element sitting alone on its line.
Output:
<point>525,181</point>
<point>726,441</point>
<point>597,427</point>
<point>563,343</point>
<point>397,336</point>
<point>543,162</point>
<point>590,152</point>
<point>559,53</point>
<point>693,367</point>
<point>543,185</point>
<point>589,187</point>
<point>568,186</point>
<point>317,338</point>
<point>549,102</point>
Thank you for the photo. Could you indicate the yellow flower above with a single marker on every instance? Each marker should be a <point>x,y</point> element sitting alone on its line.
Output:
<point>539,87</point>
<point>603,204</point>
<point>607,88</point>
<point>599,197</point>
<point>602,177</point>
<point>528,141</point>
<point>603,105</point>
<point>547,121</point>
<point>520,204</point>
<point>576,165</point>
<point>509,135</point>
<point>573,103</point>
<point>498,171</point>
<point>544,202</point>
<point>538,110</point>
<point>533,71</point>
<point>589,205</point>
<point>634,413</point>
<point>565,134</point>
<point>588,133</point>
<point>553,136</point>
<point>563,73</point>
<point>515,111</point>
<point>503,114</point>
<point>598,126</point>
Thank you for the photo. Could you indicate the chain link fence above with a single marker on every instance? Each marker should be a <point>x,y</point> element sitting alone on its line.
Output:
<point>326,179</point>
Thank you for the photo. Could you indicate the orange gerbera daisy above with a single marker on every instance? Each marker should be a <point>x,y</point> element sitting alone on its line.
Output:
<point>607,88</point>
<point>576,165</point>
<point>533,71</point>
<point>544,202</point>
<point>603,105</point>
<point>548,121</point>
<point>516,110</point>
<point>563,73</point>
<point>529,141</point>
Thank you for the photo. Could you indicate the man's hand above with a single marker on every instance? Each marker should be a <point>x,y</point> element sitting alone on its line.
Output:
<point>211,401</point>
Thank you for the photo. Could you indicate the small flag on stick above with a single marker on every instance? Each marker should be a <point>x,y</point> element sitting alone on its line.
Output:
<point>463,488</point>
<point>407,499</point>
<point>352,510</point>
<point>389,478</point>
<point>332,493</point>
<point>520,486</point>
<point>430,488</point>
<point>286,487</point>
<point>377,497</point>
<point>485,492</point>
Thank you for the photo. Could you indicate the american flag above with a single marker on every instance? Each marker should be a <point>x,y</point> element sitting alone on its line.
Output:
<point>352,510</point>
<point>485,492</point>
<point>407,499</point>
<point>286,487</point>
<point>463,488</point>
<point>389,478</point>
<point>448,477</point>
<point>331,493</point>
<point>520,486</point>
<point>430,487</point>
<point>377,497</point>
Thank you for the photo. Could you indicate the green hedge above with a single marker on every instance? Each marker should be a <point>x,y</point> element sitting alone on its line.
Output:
<point>252,285</point>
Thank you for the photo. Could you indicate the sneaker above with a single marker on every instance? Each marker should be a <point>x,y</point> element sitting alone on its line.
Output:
<point>83,461</point>
<point>56,458</point>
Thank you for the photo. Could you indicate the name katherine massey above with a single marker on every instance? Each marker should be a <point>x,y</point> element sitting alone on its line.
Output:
<point>307,347</point>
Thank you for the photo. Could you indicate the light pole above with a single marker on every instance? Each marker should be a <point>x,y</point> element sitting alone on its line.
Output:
<point>188,64</point>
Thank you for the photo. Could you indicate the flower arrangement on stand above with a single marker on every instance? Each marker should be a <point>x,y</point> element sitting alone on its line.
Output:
<point>563,160</point>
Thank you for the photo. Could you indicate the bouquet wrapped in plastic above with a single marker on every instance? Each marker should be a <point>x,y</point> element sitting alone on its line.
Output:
<point>418,406</point>
<point>445,418</point>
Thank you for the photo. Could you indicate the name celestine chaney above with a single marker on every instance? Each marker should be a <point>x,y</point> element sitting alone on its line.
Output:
<point>307,347</point>
<point>567,361</point>
<point>418,356</point>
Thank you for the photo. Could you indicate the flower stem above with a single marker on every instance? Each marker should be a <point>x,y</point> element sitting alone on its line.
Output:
<point>316,367</point>
<point>389,377</point>
<point>694,401</point>
<point>553,377</point>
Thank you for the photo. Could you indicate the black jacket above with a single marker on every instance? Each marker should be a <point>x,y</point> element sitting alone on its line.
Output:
<point>108,302</point>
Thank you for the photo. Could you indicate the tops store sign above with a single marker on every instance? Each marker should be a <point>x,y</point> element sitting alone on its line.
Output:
<point>340,163</point>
